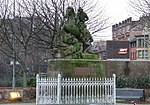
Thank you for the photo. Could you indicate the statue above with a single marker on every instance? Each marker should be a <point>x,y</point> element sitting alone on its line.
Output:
<point>85,34</point>
<point>76,39</point>
<point>81,16</point>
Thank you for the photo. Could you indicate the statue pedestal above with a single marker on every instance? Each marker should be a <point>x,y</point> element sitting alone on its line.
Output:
<point>76,67</point>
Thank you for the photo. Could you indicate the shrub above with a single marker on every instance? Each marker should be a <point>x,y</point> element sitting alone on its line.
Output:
<point>143,82</point>
<point>31,82</point>
<point>123,82</point>
<point>19,82</point>
<point>136,82</point>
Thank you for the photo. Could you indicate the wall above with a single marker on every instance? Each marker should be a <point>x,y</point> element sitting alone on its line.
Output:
<point>128,68</point>
<point>97,68</point>
<point>76,67</point>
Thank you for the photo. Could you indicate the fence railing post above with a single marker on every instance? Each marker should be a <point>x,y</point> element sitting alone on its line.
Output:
<point>37,88</point>
<point>114,88</point>
<point>40,85</point>
<point>59,89</point>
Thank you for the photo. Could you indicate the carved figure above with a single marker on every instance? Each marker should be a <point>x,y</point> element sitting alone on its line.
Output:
<point>76,39</point>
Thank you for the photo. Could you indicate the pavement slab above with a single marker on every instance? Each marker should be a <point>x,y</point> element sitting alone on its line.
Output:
<point>35,104</point>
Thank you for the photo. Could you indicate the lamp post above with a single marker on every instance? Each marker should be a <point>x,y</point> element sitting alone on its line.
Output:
<point>58,55</point>
<point>14,56</point>
<point>13,63</point>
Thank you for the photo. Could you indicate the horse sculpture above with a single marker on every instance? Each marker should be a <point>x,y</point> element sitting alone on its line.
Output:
<point>76,39</point>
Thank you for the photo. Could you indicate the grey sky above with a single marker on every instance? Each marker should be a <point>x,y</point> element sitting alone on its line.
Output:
<point>117,10</point>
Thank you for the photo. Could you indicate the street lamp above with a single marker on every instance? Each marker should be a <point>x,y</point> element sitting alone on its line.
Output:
<point>58,55</point>
<point>13,63</point>
<point>13,75</point>
<point>14,57</point>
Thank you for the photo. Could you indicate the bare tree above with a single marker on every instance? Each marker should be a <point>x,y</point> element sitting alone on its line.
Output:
<point>37,26</point>
<point>98,20</point>
<point>16,34</point>
<point>141,8</point>
<point>51,15</point>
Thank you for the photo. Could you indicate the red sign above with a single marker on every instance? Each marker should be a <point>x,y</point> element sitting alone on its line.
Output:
<point>123,51</point>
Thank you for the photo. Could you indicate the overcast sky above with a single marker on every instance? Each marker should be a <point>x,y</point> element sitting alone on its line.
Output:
<point>118,11</point>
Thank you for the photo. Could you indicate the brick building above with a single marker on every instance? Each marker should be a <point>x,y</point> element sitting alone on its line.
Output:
<point>137,33</point>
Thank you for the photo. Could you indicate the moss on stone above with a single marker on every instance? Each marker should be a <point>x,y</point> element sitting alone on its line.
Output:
<point>68,67</point>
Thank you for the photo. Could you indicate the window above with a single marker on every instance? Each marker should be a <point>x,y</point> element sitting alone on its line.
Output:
<point>142,53</point>
<point>145,42</point>
<point>139,54</point>
<point>133,44</point>
<point>139,43</point>
<point>142,43</point>
<point>145,54</point>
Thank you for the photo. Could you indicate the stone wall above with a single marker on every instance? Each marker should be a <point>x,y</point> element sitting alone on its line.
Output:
<point>76,68</point>
<point>27,95</point>
<point>86,67</point>
<point>128,68</point>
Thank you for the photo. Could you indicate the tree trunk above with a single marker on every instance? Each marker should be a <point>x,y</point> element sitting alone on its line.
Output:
<point>24,79</point>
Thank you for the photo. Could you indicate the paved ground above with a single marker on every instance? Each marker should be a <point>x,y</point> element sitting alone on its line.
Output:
<point>34,104</point>
<point>19,104</point>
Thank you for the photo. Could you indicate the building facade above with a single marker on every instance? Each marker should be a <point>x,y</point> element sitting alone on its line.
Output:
<point>117,50</point>
<point>137,33</point>
<point>100,47</point>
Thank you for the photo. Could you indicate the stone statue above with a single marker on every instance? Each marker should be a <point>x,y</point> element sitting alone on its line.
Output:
<point>84,33</point>
<point>76,39</point>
